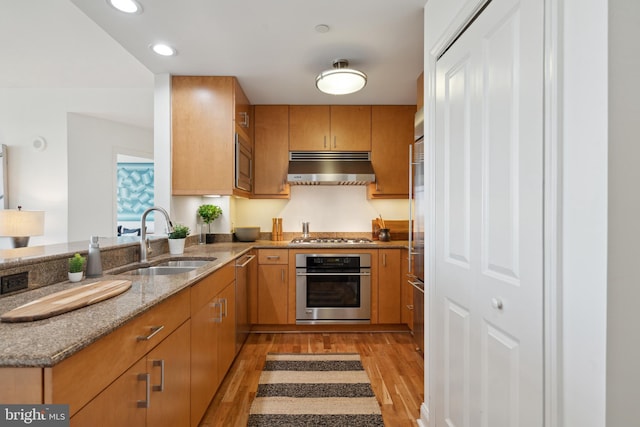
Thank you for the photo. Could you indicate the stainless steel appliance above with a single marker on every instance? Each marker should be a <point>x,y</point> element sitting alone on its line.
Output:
<point>333,288</point>
<point>416,226</point>
<point>243,165</point>
<point>330,240</point>
<point>330,168</point>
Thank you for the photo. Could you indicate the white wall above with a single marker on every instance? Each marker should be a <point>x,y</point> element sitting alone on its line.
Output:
<point>623,335</point>
<point>326,207</point>
<point>584,222</point>
<point>93,146</point>
<point>38,179</point>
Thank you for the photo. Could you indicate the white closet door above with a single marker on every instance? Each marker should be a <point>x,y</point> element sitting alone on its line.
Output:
<point>488,317</point>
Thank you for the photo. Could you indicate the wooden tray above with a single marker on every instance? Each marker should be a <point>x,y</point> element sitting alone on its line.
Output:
<point>67,300</point>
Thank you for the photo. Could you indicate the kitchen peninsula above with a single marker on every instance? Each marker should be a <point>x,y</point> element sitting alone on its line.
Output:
<point>105,342</point>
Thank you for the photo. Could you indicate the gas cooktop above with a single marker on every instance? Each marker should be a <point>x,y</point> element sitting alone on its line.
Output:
<point>331,240</point>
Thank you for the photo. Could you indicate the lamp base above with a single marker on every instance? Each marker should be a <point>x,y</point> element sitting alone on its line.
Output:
<point>20,242</point>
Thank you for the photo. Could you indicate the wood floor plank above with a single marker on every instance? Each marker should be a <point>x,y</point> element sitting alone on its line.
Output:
<point>396,371</point>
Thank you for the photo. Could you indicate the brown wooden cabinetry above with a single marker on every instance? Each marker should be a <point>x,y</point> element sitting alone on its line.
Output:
<point>153,392</point>
<point>271,151</point>
<point>389,298</point>
<point>273,286</point>
<point>325,128</point>
<point>212,336</point>
<point>206,113</point>
<point>391,136</point>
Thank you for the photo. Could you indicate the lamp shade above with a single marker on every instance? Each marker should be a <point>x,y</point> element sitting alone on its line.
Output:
<point>19,223</point>
<point>341,80</point>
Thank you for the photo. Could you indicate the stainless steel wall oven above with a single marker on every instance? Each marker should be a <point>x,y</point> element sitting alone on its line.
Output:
<point>333,288</point>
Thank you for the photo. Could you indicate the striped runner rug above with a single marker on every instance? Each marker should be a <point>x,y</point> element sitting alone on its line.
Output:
<point>314,390</point>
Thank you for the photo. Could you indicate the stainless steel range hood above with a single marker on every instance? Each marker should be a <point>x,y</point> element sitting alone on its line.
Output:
<point>330,168</point>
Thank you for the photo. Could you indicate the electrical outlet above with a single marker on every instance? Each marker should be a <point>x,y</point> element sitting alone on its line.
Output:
<point>14,282</point>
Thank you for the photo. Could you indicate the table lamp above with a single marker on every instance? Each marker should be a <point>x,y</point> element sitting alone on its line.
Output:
<point>20,225</point>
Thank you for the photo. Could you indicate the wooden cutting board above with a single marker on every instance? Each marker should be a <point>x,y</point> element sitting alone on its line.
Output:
<point>67,300</point>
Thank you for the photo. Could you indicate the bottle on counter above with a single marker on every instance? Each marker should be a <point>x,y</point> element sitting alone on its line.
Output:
<point>94,261</point>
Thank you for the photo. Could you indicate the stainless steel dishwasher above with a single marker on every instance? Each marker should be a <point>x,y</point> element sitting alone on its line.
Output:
<point>243,323</point>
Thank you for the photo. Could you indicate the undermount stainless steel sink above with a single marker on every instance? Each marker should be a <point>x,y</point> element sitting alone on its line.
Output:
<point>159,271</point>
<point>169,267</point>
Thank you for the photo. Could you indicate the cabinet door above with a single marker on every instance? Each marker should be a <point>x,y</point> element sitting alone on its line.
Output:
<point>272,294</point>
<point>204,357</point>
<point>271,151</point>
<point>117,405</point>
<point>202,129</point>
<point>391,136</point>
<point>350,128</point>
<point>243,117</point>
<point>227,330</point>
<point>309,127</point>
<point>389,286</point>
<point>169,368</point>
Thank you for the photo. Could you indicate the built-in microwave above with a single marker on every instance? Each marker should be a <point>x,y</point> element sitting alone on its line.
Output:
<point>244,163</point>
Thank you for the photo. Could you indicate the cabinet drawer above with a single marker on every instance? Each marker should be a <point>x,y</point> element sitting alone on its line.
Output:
<point>79,378</point>
<point>211,285</point>
<point>273,256</point>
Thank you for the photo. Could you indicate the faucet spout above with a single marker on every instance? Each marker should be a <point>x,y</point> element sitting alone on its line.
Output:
<point>143,229</point>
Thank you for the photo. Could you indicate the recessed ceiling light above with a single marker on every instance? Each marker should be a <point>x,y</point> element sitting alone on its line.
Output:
<point>163,49</point>
<point>126,6</point>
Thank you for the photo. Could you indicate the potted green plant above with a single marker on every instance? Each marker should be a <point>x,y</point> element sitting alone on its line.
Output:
<point>208,214</point>
<point>76,264</point>
<point>177,238</point>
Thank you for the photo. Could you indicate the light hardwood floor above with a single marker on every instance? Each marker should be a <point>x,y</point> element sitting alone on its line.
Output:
<point>395,368</point>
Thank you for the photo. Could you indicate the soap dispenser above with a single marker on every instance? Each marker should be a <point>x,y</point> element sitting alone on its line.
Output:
<point>94,262</point>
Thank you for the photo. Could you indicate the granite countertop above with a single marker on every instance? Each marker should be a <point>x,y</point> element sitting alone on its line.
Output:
<point>43,343</point>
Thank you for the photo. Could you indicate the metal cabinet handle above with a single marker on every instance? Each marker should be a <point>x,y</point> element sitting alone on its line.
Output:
<point>245,119</point>
<point>335,144</point>
<point>273,256</point>
<point>147,379</point>
<point>325,141</point>
<point>282,275</point>
<point>225,313</point>
<point>160,363</point>
<point>384,260</point>
<point>154,331</point>
<point>409,306</point>
<point>244,264</point>
<point>218,305</point>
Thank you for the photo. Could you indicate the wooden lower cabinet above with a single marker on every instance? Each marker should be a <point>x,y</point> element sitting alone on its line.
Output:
<point>213,337</point>
<point>389,299</point>
<point>153,392</point>
<point>273,287</point>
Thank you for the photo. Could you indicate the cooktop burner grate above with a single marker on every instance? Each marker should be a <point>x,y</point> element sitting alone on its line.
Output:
<point>331,240</point>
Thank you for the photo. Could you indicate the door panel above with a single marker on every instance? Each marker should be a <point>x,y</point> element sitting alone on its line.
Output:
<point>487,342</point>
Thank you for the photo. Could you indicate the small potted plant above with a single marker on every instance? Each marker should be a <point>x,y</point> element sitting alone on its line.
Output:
<point>76,264</point>
<point>177,238</point>
<point>208,214</point>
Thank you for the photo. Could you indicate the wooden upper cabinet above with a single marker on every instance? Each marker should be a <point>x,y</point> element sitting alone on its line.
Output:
<point>271,151</point>
<point>244,112</point>
<point>335,127</point>
<point>391,136</point>
<point>309,127</point>
<point>351,127</point>
<point>203,126</point>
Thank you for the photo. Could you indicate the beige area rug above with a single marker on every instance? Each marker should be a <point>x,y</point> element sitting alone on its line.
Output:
<point>314,390</point>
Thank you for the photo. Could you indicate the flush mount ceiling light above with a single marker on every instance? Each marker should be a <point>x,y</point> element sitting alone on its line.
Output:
<point>342,80</point>
<point>163,49</point>
<point>126,6</point>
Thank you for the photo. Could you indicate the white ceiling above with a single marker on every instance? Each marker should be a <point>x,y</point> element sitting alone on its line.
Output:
<point>270,45</point>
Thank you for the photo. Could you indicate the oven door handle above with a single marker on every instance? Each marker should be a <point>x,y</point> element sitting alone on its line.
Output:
<point>333,274</point>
